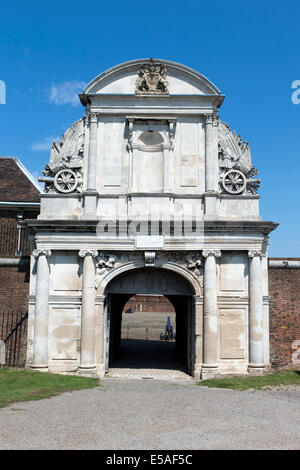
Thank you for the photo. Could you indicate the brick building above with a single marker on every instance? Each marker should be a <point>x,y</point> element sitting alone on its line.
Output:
<point>19,200</point>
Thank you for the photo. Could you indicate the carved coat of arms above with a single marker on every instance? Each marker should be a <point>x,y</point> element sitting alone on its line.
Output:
<point>152,78</point>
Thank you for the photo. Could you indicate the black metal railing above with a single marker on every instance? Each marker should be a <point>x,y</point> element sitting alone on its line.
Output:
<point>13,337</point>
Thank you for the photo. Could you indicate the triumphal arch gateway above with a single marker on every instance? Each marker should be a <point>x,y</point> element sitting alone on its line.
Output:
<point>150,192</point>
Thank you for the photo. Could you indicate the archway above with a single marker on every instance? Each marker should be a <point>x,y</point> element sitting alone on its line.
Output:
<point>153,282</point>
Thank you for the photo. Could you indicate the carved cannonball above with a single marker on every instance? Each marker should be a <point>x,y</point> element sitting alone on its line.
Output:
<point>234,182</point>
<point>65,181</point>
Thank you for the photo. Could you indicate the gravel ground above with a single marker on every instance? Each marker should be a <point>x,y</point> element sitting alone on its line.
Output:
<point>154,414</point>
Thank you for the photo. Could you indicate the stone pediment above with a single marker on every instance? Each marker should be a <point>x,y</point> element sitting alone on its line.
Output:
<point>170,77</point>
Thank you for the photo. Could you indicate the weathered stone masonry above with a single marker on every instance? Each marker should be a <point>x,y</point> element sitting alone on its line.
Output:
<point>150,147</point>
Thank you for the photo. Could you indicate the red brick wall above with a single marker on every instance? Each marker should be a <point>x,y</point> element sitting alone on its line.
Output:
<point>150,303</point>
<point>284,291</point>
<point>14,288</point>
<point>9,233</point>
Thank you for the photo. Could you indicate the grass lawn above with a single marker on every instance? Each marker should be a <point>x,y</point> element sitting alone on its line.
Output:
<point>23,385</point>
<point>276,379</point>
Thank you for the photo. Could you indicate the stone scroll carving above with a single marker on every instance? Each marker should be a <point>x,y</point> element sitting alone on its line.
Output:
<point>36,253</point>
<point>152,78</point>
<point>106,262</point>
<point>64,172</point>
<point>236,170</point>
<point>190,261</point>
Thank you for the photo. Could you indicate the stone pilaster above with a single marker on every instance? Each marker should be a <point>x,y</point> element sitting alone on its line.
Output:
<point>87,365</point>
<point>91,195</point>
<point>211,163</point>
<point>40,345</point>
<point>256,332</point>
<point>210,316</point>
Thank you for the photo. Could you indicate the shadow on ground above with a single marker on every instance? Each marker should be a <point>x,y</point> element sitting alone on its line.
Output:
<point>147,354</point>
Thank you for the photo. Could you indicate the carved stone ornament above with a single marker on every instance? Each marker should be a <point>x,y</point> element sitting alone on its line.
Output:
<point>234,181</point>
<point>152,78</point>
<point>64,172</point>
<point>212,118</point>
<point>105,262</point>
<point>236,170</point>
<point>190,261</point>
<point>149,258</point>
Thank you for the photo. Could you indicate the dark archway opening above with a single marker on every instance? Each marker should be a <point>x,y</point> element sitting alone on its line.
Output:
<point>138,340</point>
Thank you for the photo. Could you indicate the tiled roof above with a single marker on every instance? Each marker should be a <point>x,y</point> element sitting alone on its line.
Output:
<point>16,182</point>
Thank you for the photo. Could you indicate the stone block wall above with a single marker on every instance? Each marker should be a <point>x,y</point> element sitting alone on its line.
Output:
<point>284,292</point>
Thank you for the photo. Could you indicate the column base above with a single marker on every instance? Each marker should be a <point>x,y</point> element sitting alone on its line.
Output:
<point>38,367</point>
<point>197,371</point>
<point>258,369</point>
<point>87,371</point>
<point>209,371</point>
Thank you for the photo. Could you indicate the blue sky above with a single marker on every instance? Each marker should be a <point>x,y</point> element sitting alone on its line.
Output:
<point>249,49</point>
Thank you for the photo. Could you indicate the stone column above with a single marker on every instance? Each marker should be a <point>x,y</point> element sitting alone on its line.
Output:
<point>266,301</point>
<point>91,194</point>
<point>210,317</point>
<point>87,365</point>
<point>256,333</point>
<point>40,342</point>
<point>211,163</point>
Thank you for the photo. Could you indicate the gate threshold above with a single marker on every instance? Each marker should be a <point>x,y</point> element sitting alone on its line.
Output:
<point>148,374</point>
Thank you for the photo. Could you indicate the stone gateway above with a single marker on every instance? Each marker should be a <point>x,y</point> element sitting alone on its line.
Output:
<point>150,193</point>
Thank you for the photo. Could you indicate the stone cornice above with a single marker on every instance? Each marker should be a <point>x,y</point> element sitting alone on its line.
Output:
<point>217,226</point>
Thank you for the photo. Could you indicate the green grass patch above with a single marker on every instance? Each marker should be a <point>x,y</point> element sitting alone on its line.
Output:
<point>22,385</point>
<point>276,379</point>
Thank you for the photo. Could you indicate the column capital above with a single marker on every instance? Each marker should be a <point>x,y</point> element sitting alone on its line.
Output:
<point>216,253</point>
<point>212,118</point>
<point>84,253</point>
<point>252,253</point>
<point>91,117</point>
<point>36,253</point>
